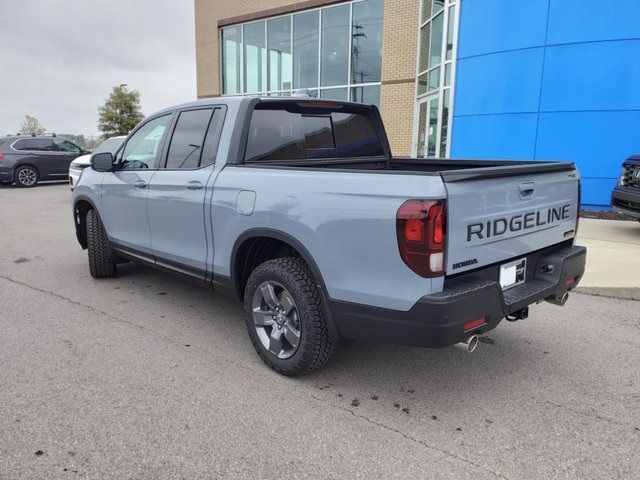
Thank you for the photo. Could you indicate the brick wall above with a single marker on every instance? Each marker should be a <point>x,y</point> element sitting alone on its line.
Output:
<point>399,49</point>
<point>398,56</point>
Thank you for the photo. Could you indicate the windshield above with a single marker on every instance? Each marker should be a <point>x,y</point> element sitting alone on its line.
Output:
<point>109,145</point>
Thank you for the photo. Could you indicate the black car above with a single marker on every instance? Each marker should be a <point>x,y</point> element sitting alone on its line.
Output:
<point>26,160</point>
<point>626,195</point>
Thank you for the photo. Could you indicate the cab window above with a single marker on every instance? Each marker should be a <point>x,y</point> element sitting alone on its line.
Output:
<point>143,147</point>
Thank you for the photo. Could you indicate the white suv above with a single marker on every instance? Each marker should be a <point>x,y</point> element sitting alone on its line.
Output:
<point>80,163</point>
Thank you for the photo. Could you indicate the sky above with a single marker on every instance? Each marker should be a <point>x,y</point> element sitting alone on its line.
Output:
<point>59,59</point>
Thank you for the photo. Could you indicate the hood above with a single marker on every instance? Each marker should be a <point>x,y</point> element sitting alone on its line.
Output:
<point>83,160</point>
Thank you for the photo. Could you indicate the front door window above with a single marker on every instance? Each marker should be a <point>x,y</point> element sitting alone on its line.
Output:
<point>142,148</point>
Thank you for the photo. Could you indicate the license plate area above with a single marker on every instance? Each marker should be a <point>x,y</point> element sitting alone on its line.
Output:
<point>513,274</point>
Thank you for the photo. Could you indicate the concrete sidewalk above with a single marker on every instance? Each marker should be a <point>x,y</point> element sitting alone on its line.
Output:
<point>613,258</point>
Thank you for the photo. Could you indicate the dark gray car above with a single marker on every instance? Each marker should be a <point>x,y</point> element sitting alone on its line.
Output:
<point>25,160</point>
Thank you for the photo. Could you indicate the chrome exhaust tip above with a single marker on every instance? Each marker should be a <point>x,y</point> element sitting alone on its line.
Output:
<point>559,301</point>
<point>470,344</point>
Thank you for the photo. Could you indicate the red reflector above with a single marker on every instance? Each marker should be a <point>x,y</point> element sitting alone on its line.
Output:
<point>1,155</point>
<point>569,281</point>
<point>473,324</point>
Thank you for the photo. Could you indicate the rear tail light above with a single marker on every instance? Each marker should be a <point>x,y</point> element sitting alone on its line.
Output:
<point>421,229</point>
<point>1,155</point>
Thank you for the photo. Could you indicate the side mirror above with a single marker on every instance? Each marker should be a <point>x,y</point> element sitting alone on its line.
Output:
<point>102,162</point>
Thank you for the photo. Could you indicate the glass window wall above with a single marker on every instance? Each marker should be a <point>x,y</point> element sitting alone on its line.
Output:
<point>335,52</point>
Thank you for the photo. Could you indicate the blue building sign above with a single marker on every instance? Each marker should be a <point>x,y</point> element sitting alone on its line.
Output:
<point>549,80</point>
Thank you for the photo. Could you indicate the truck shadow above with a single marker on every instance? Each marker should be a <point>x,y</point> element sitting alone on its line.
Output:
<point>358,370</point>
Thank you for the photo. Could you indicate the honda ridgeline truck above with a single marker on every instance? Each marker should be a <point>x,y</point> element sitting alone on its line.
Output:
<point>297,208</point>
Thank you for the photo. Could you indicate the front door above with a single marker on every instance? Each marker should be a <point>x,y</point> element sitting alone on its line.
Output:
<point>177,192</point>
<point>65,152</point>
<point>124,191</point>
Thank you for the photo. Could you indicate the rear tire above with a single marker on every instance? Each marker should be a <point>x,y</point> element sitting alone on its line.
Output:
<point>285,317</point>
<point>26,176</point>
<point>101,258</point>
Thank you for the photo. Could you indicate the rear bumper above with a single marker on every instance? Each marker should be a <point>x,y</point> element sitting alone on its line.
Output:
<point>6,173</point>
<point>438,320</point>
<point>626,200</point>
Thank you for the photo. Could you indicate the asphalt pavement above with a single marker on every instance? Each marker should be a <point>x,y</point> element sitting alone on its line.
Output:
<point>149,376</point>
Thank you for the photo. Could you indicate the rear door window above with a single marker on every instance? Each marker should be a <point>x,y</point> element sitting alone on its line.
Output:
<point>34,144</point>
<point>288,131</point>
<point>188,139</point>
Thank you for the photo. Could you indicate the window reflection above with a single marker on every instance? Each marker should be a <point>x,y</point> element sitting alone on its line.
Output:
<point>279,53</point>
<point>366,34</point>
<point>231,60</point>
<point>305,49</point>
<point>255,58</point>
<point>334,52</point>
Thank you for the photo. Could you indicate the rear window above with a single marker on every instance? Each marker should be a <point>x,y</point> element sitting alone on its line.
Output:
<point>34,144</point>
<point>287,131</point>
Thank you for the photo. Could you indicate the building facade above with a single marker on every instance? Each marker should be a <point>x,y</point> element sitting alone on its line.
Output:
<point>512,79</point>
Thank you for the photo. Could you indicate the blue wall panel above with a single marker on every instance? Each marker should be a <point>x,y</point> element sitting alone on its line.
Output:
<point>597,191</point>
<point>495,25</point>
<point>585,20</point>
<point>592,76</point>
<point>506,82</point>
<point>568,72</point>
<point>495,136</point>
<point>598,141</point>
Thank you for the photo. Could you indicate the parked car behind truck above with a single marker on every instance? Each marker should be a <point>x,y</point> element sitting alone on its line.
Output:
<point>26,160</point>
<point>626,195</point>
<point>79,164</point>
<point>297,208</point>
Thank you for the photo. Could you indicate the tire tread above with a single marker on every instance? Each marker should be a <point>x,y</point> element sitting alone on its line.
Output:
<point>101,259</point>
<point>318,347</point>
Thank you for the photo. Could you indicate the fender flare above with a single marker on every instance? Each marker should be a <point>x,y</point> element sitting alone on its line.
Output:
<point>79,234</point>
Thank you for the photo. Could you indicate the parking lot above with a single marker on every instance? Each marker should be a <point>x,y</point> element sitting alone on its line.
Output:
<point>150,376</point>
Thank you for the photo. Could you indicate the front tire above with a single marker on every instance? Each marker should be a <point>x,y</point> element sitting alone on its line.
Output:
<point>285,317</point>
<point>26,176</point>
<point>101,258</point>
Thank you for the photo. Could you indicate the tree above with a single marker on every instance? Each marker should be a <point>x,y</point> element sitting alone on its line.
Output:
<point>120,113</point>
<point>31,126</point>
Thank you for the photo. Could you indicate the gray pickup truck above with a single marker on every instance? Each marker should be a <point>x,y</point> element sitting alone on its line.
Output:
<point>296,207</point>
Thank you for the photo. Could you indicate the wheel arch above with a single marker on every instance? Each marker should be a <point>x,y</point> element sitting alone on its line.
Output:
<point>26,163</point>
<point>258,245</point>
<point>81,206</point>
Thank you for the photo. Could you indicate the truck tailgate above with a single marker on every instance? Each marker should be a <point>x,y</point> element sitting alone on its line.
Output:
<point>500,213</point>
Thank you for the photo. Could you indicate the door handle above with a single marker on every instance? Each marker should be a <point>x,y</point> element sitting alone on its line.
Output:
<point>140,184</point>
<point>526,189</point>
<point>194,185</point>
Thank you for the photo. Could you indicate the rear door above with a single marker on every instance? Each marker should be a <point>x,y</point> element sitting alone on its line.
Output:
<point>493,217</point>
<point>124,191</point>
<point>177,192</point>
<point>37,151</point>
